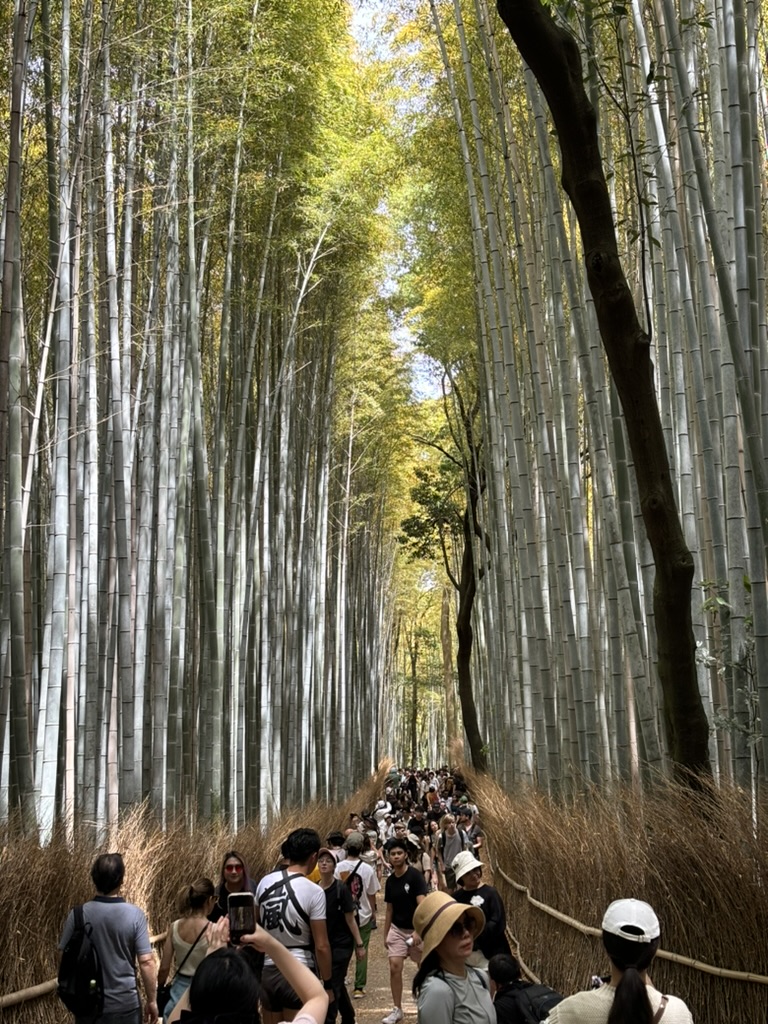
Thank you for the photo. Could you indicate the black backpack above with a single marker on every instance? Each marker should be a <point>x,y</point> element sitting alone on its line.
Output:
<point>354,883</point>
<point>534,1001</point>
<point>81,983</point>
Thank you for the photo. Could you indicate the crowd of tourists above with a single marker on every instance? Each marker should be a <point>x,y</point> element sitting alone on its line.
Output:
<point>281,948</point>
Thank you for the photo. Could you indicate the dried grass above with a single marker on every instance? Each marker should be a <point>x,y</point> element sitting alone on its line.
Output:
<point>38,886</point>
<point>693,855</point>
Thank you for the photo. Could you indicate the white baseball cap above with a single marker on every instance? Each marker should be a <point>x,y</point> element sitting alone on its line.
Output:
<point>633,920</point>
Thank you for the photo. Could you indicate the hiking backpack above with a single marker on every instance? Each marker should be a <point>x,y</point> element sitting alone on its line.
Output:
<point>535,1001</point>
<point>81,983</point>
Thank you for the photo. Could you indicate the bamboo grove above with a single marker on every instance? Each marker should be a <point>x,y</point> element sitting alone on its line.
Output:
<point>202,407</point>
<point>566,662</point>
<point>219,222</point>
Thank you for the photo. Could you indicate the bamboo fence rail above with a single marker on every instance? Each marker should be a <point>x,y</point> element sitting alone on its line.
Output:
<point>46,987</point>
<point>585,929</point>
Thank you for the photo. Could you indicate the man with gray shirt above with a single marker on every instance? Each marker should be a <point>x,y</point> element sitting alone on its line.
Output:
<point>451,843</point>
<point>121,937</point>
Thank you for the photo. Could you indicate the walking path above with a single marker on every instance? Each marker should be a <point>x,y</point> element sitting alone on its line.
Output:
<point>377,1001</point>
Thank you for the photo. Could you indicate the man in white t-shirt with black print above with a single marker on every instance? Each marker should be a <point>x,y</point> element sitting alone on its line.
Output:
<point>404,890</point>
<point>292,909</point>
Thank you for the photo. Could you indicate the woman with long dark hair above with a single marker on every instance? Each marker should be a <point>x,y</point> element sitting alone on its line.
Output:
<point>447,990</point>
<point>233,878</point>
<point>631,934</point>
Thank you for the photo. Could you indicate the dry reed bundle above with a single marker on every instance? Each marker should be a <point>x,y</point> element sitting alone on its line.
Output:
<point>364,799</point>
<point>41,884</point>
<point>695,856</point>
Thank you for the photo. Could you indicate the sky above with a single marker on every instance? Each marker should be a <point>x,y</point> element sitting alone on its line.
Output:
<point>425,382</point>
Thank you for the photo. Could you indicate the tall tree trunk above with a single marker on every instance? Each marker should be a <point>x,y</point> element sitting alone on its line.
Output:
<point>413,660</point>
<point>451,726</point>
<point>130,758</point>
<point>11,347</point>
<point>465,636</point>
<point>56,611</point>
<point>555,60</point>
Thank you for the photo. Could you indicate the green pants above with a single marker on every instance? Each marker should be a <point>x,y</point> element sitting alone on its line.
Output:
<point>361,966</point>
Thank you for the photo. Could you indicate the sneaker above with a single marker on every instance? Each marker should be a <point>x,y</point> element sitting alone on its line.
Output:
<point>358,993</point>
<point>393,1018</point>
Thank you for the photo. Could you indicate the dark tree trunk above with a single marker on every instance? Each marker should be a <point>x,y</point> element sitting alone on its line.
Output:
<point>465,636</point>
<point>554,59</point>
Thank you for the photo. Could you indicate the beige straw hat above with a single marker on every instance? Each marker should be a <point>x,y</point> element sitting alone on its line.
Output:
<point>437,913</point>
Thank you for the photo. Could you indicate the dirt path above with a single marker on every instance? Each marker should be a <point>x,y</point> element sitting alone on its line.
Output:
<point>377,1001</point>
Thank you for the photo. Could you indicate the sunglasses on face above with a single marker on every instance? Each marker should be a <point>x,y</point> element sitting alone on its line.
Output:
<point>464,924</point>
<point>235,869</point>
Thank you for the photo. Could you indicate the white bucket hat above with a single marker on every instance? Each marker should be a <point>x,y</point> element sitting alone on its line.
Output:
<point>464,862</point>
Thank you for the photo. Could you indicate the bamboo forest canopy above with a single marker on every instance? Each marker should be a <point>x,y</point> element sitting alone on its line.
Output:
<point>336,423</point>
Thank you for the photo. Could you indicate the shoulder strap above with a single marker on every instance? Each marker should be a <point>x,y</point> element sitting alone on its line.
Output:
<point>189,951</point>
<point>337,891</point>
<point>662,1007</point>
<point>352,874</point>
<point>478,974</point>
<point>482,976</point>
<point>285,882</point>
<point>85,926</point>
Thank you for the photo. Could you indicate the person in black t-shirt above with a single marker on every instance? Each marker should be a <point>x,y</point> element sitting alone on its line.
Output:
<point>404,891</point>
<point>514,999</point>
<point>417,822</point>
<point>343,935</point>
<point>493,939</point>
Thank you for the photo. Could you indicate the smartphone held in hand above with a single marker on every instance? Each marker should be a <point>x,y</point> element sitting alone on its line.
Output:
<point>242,915</point>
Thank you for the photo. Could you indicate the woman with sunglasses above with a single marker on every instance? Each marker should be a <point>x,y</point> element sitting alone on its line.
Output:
<point>234,878</point>
<point>447,990</point>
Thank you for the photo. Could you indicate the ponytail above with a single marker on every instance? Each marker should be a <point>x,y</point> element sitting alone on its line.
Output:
<point>631,1004</point>
<point>194,896</point>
